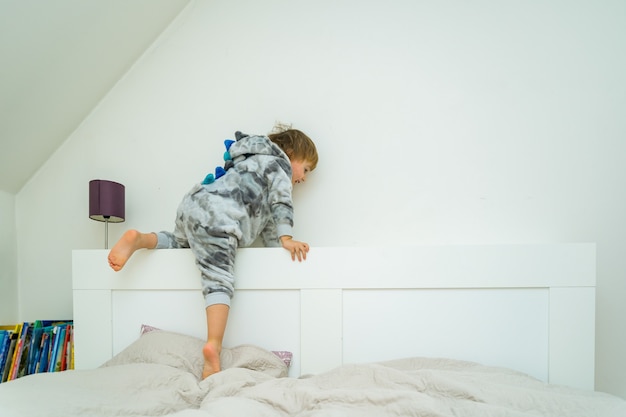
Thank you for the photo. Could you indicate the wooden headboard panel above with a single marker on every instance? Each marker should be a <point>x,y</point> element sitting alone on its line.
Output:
<point>526,307</point>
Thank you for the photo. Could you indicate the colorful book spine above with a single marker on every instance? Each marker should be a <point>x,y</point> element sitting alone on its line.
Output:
<point>45,350</point>
<point>54,345</point>
<point>18,351</point>
<point>34,350</point>
<point>22,365</point>
<point>8,366</point>
<point>58,354</point>
<point>66,347</point>
<point>5,342</point>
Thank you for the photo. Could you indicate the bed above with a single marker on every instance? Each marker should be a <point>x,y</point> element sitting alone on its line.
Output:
<point>476,330</point>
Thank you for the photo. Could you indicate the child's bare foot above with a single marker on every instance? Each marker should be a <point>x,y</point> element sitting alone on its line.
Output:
<point>127,245</point>
<point>211,360</point>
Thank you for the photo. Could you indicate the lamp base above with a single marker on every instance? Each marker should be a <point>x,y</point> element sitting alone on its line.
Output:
<point>106,233</point>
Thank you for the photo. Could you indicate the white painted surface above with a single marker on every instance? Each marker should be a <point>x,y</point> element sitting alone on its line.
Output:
<point>499,305</point>
<point>572,318</point>
<point>498,327</point>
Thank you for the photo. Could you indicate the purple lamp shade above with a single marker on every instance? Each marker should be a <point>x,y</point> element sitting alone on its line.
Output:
<point>106,201</point>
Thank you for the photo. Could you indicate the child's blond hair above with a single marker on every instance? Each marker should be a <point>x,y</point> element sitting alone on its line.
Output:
<point>296,145</point>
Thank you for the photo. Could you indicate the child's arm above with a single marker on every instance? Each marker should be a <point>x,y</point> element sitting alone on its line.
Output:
<point>296,248</point>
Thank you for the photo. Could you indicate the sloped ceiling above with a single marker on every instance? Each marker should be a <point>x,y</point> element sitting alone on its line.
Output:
<point>59,58</point>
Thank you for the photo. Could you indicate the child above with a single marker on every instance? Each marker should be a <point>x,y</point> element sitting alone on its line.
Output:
<point>251,199</point>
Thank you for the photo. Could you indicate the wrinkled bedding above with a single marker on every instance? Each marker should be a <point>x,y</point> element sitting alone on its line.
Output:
<point>160,375</point>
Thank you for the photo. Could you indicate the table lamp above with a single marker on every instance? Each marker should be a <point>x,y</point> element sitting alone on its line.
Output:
<point>106,204</point>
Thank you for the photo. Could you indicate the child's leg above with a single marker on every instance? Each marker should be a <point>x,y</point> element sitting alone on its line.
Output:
<point>130,241</point>
<point>216,318</point>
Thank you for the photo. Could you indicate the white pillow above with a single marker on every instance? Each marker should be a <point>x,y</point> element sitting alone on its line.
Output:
<point>284,355</point>
<point>185,352</point>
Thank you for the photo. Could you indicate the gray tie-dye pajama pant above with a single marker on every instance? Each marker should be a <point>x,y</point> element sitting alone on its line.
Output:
<point>214,247</point>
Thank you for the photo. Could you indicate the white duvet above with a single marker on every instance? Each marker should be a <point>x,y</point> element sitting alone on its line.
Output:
<point>159,375</point>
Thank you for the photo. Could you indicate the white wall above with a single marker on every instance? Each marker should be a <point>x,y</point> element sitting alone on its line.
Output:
<point>436,122</point>
<point>8,260</point>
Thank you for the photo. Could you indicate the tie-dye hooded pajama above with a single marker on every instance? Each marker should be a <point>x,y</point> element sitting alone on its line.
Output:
<point>252,199</point>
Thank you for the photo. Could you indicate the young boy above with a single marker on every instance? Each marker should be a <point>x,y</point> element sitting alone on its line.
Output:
<point>252,199</point>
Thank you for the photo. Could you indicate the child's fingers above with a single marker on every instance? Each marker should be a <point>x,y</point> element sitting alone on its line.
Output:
<point>299,250</point>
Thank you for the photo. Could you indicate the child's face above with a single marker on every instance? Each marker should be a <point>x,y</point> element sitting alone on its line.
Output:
<point>299,171</point>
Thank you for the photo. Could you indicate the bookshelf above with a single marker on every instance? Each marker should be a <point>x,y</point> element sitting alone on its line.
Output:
<point>35,347</point>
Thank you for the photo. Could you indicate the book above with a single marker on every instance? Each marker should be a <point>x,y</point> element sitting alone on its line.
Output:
<point>54,345</point>
<point>14,331</point>
<point>58,354</point>
<point>66,347</point>
<point>22,365</point>
<point>72,349</point>
<point>46,338</point>
<point>10,354</point>
<point>35,347</point>
<point>18,351</point>
<point>5,341</point>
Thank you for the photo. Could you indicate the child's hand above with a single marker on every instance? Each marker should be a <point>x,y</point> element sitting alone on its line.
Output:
<point>296,248</point>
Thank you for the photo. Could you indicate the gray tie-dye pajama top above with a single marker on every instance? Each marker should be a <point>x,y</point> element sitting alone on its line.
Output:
<point>252,199</point>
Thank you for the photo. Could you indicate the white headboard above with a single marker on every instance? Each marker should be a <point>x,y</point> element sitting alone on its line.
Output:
<point>526,307</point>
